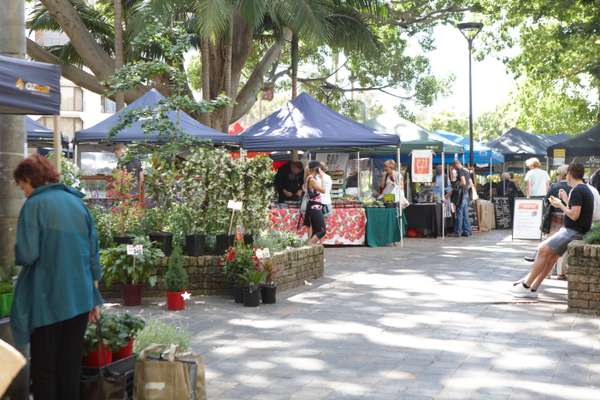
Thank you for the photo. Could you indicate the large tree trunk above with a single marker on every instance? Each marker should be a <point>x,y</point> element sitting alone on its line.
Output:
<point>205,117</point>
<point>119,58</point>
<point>12,137</point>
<point>63,12</point>
<point>294,56</point>
<point>227,71</point>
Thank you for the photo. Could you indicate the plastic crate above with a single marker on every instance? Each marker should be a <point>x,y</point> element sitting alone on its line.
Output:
<point>124,366</point>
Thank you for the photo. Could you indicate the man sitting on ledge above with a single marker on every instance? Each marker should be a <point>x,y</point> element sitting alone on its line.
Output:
<point>578,208</point>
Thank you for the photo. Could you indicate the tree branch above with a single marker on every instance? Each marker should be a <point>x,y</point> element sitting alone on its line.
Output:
<point>406,19</point>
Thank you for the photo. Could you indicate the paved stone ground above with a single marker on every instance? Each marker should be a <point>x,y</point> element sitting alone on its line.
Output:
<point>430,321</point>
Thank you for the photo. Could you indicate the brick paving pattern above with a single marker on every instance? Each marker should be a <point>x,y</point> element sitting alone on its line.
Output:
<point>431,321</point>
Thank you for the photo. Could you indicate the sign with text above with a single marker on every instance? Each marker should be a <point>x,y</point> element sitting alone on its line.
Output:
<point>135,249</point>
<point>528,219</point>
<point>234,205</point>
<point>558,157</point>
<point>422,166</point>
<point>334,161</point>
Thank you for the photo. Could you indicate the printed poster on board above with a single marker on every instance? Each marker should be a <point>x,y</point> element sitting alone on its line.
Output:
<point>422,166</point>
<point>528,219</point>
<point>334,161</point>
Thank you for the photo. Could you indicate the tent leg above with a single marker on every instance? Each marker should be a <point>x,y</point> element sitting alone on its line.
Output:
<point>443,195</point>
<point>490,178</point>
<point>358,174</point>
<point>57,144</point>
<point>400,211</point>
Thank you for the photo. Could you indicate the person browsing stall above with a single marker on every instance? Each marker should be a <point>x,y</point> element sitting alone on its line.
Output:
<point>440,180</point>
<point>537,180</point>
<point>289,180</point>
<point>314,219</point>
<point>57,290</point>
<point>327,184</point>
<point>462,197</point>
<point>391,181</point>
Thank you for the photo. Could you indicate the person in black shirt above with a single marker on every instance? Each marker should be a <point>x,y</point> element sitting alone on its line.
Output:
<point>595,179</point>
<point>578,208</point>
<point>461,197</point>
<point>289,180</point>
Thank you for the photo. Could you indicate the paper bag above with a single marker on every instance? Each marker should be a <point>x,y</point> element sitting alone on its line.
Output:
<point>12,361</point>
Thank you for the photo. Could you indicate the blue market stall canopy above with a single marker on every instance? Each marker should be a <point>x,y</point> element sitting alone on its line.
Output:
<point>306,124</point>
<point>517,145</point>
<point>413,136</point>
<point>189,125</point>
<point>29,87</point>
<point>586,144</point>
<point>37,132</point>
<point>482,154</point>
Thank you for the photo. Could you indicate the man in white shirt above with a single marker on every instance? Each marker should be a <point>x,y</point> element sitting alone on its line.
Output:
<point>538,180</point>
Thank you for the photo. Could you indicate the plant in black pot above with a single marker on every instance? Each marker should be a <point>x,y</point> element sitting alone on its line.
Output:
<point>131,270</point>
<point>155,225</point>
<point>254,278</point>
<point>190,223</point>
<point>176,280</point>
<point>268,289</point>
<point>236,262</point>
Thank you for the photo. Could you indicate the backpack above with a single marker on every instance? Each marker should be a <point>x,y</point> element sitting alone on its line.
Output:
<point>596,215</point>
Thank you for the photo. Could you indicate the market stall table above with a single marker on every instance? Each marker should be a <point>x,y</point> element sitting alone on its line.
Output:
<point>383,226</point>
<point>425,216</point>
<point>346,226</point>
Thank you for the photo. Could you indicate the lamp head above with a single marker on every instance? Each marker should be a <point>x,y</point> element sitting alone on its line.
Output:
<point>470,29</point>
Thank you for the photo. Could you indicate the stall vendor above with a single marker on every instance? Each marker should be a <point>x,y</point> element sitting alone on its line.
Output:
<point>289,180</point>
<point>391,181</point>
<point>438,182</point>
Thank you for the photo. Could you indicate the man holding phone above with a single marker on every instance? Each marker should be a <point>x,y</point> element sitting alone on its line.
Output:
<point>578,208</point>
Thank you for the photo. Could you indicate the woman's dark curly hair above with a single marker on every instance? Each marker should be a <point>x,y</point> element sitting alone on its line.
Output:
<point>37,170</point>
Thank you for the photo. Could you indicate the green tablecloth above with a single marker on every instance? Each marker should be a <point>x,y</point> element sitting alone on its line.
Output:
<point>383,226</point>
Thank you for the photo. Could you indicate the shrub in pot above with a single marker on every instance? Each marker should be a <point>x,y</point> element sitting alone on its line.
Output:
<point>154,224</point>
<point>176,280</point>
<point>237,261</point>
<point>131,271</point>
<point>132,325</point>
<point>96,350</point>
<point>268,290</point>
<point>158,332</point>
<point>127,209</point>
<point>254,280</point>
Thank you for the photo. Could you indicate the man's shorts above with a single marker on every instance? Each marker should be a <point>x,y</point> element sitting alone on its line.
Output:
<point>559,241</point>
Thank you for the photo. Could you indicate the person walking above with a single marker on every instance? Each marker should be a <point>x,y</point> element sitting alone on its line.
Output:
<point>537,180</point>
<point>462,198</point>
<point>57,290</point>
<point>578,208</point>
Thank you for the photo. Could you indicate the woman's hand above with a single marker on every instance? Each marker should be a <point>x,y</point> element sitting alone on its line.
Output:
<point>563,195</point>
<point>94,315</point>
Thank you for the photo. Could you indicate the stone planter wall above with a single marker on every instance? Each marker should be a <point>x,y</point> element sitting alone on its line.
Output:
<point>583,273</point>
<point>292,268</point>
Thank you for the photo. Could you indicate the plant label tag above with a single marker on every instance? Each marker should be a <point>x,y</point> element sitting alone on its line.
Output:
<point>234,205</point>
<point>135,249</point>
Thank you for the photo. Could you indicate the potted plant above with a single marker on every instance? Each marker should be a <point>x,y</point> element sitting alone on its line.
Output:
<point>176,280</point>
<point>131,325</point>
<point>254,278</point>
<point>6,297</point>
<point>154,222</point>
<point>237,260</point>
<point>96,351</point>
<point>131,270</point>
<point>126,208</point>
<point>268,290</point>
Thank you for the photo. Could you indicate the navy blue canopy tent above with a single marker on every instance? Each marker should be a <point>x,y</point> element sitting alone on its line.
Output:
<point>482,154</point>
<point>189,125</point>
<point>306,124</point>
<point>37,132</point>
<point>517,145</point>
<point>586,144</point>
<point>29,87</point>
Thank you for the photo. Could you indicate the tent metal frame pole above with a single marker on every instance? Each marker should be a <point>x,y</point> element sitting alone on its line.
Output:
<point>358,173</point>
<point>443,184</point>
<point>57,143</point>
<point>490,178</point>
<point>400,210</point>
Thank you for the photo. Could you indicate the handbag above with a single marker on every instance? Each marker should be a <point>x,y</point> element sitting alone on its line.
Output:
<point>169,375</point>
<point>106,385</point>
<point>546,218</point>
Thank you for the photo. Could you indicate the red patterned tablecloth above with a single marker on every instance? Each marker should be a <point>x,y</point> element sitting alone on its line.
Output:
<point>346,226</point>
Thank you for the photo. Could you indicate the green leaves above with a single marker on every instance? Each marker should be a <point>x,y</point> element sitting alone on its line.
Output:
<point>176,278</point>
<point>120,267</point>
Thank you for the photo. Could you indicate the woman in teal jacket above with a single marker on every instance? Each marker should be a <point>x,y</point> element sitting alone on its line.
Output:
<point>56,292</point>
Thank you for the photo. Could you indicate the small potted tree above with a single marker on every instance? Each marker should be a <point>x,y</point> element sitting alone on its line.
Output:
<point>132,271</point>
<point>237,260</point>
<point>155,221</point>
<point>268,290</point>
<point>176,280</point>
<point>126,208</point>
<point>96,351</point>
<point>254,279</point>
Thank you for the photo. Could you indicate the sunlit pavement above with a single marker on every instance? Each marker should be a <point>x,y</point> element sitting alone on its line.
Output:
<point>430,321</point>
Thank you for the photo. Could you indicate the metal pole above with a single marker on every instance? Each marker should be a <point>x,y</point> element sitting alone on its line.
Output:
<point>400,210</point>
<point>443,195</point>
<point>358,173</point>
<point>471,161</point>
<point>490,179</point>
<point>57,143</point>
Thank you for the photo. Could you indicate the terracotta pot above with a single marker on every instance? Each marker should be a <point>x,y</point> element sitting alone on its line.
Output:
<point>98,358</point>
<point>132,295</point>
<point>175,301</point>
<point>124,351</point>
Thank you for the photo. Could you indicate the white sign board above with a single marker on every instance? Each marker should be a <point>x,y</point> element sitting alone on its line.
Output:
<point>528,219</point>
<point>135,249</point>
<point>234,205</point>
<point>422,166</point>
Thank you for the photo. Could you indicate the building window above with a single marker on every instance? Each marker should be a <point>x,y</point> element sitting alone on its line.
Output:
<point>71,98</point>
<point>67,126</point>
<point>108,106</point>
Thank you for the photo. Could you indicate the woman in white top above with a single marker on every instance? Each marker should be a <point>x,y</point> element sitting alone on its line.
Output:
<point>327,184</point>
<point>538,181</point>
<point>391,181</point>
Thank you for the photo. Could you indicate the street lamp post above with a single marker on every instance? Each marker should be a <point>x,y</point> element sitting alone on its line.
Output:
<point>469,31</point>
